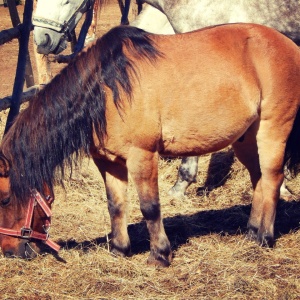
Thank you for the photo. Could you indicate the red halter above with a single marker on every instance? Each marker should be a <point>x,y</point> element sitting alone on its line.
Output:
<point>26,231</point>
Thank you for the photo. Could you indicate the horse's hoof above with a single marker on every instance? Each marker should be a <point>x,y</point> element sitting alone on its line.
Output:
<point>266,240</point>
<point>118,251</point>
<point>251,236</point>
<point>177,194</point>
<point>89,39</point>
<point>159,261</point>
<point>252,233</point>
<point>286,195</point>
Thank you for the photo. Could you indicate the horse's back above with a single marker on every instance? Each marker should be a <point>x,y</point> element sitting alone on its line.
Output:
<point>211,85</point>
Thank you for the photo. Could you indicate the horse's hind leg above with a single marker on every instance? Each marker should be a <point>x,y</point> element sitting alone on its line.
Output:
<point>143,168</point>
<point>266,171</point>
<point>271,157</point>
<point>247,153</point>
<point>187,174</point>
<point>115,177</point>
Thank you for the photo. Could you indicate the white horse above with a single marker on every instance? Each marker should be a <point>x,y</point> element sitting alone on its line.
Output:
<point>54,18</point>
<point>186,15</point>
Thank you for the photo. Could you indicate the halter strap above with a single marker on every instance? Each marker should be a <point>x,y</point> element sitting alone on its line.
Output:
<point>26,231</point>
<point>63,27</point>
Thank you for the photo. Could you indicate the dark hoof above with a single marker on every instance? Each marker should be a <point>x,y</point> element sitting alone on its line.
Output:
<point>266,240</point>
<point>120,251</point>
<point>160,260</point>
<point>252,233</point>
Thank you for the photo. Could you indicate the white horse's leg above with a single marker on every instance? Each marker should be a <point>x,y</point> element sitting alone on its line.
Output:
<point>187,174</point>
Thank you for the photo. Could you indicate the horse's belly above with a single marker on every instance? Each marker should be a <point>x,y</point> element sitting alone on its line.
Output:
<point>203,134</point>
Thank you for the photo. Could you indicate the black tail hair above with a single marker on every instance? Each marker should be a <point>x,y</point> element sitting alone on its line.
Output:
<point>292,150</point>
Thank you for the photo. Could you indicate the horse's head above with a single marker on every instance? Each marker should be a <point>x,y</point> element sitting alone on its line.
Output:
<point>23,226</point>
<point>54,20</point>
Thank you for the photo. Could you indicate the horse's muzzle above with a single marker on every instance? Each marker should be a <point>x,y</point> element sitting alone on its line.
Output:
<point>49,41</point>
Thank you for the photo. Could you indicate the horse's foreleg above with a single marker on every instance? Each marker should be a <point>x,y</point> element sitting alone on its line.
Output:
<point>187,174</point>
<point>143,168</point>
<point>116,179</point>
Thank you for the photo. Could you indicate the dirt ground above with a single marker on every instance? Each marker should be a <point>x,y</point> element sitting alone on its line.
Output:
<point>212,257</point>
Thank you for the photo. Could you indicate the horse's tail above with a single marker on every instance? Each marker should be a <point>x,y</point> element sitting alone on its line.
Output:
<point>292,150</point>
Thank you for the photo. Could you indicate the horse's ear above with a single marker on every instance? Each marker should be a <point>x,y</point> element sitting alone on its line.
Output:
<point>4,166</point>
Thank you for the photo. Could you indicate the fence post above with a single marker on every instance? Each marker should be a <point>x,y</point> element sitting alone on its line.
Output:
<point>21,66</point>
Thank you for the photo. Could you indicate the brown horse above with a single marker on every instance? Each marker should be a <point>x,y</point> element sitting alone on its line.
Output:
<point>134,96</point>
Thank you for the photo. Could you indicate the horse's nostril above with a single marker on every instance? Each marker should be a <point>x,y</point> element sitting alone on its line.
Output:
<point>47,39</point>
<point>43,44</point>
<point>29,252</point>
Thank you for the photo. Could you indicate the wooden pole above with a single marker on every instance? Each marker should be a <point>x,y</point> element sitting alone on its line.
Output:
<point>21,66</point>
<point>16,22</point>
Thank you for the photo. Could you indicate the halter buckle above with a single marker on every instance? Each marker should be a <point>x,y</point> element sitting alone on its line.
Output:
<point>26,232</point>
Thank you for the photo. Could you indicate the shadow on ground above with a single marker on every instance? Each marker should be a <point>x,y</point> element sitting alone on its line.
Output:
<point>180,228</point>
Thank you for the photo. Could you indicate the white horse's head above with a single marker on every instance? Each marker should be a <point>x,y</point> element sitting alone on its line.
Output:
<point>54,20</point>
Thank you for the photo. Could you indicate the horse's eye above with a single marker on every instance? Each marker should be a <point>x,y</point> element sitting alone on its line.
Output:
<point>5,202</point>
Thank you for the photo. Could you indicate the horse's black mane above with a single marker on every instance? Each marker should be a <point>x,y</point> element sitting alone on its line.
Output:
<point>57,126</point>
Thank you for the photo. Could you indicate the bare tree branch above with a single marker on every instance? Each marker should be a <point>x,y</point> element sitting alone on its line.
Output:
<point>9,34</point>
<point>5,102</point>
